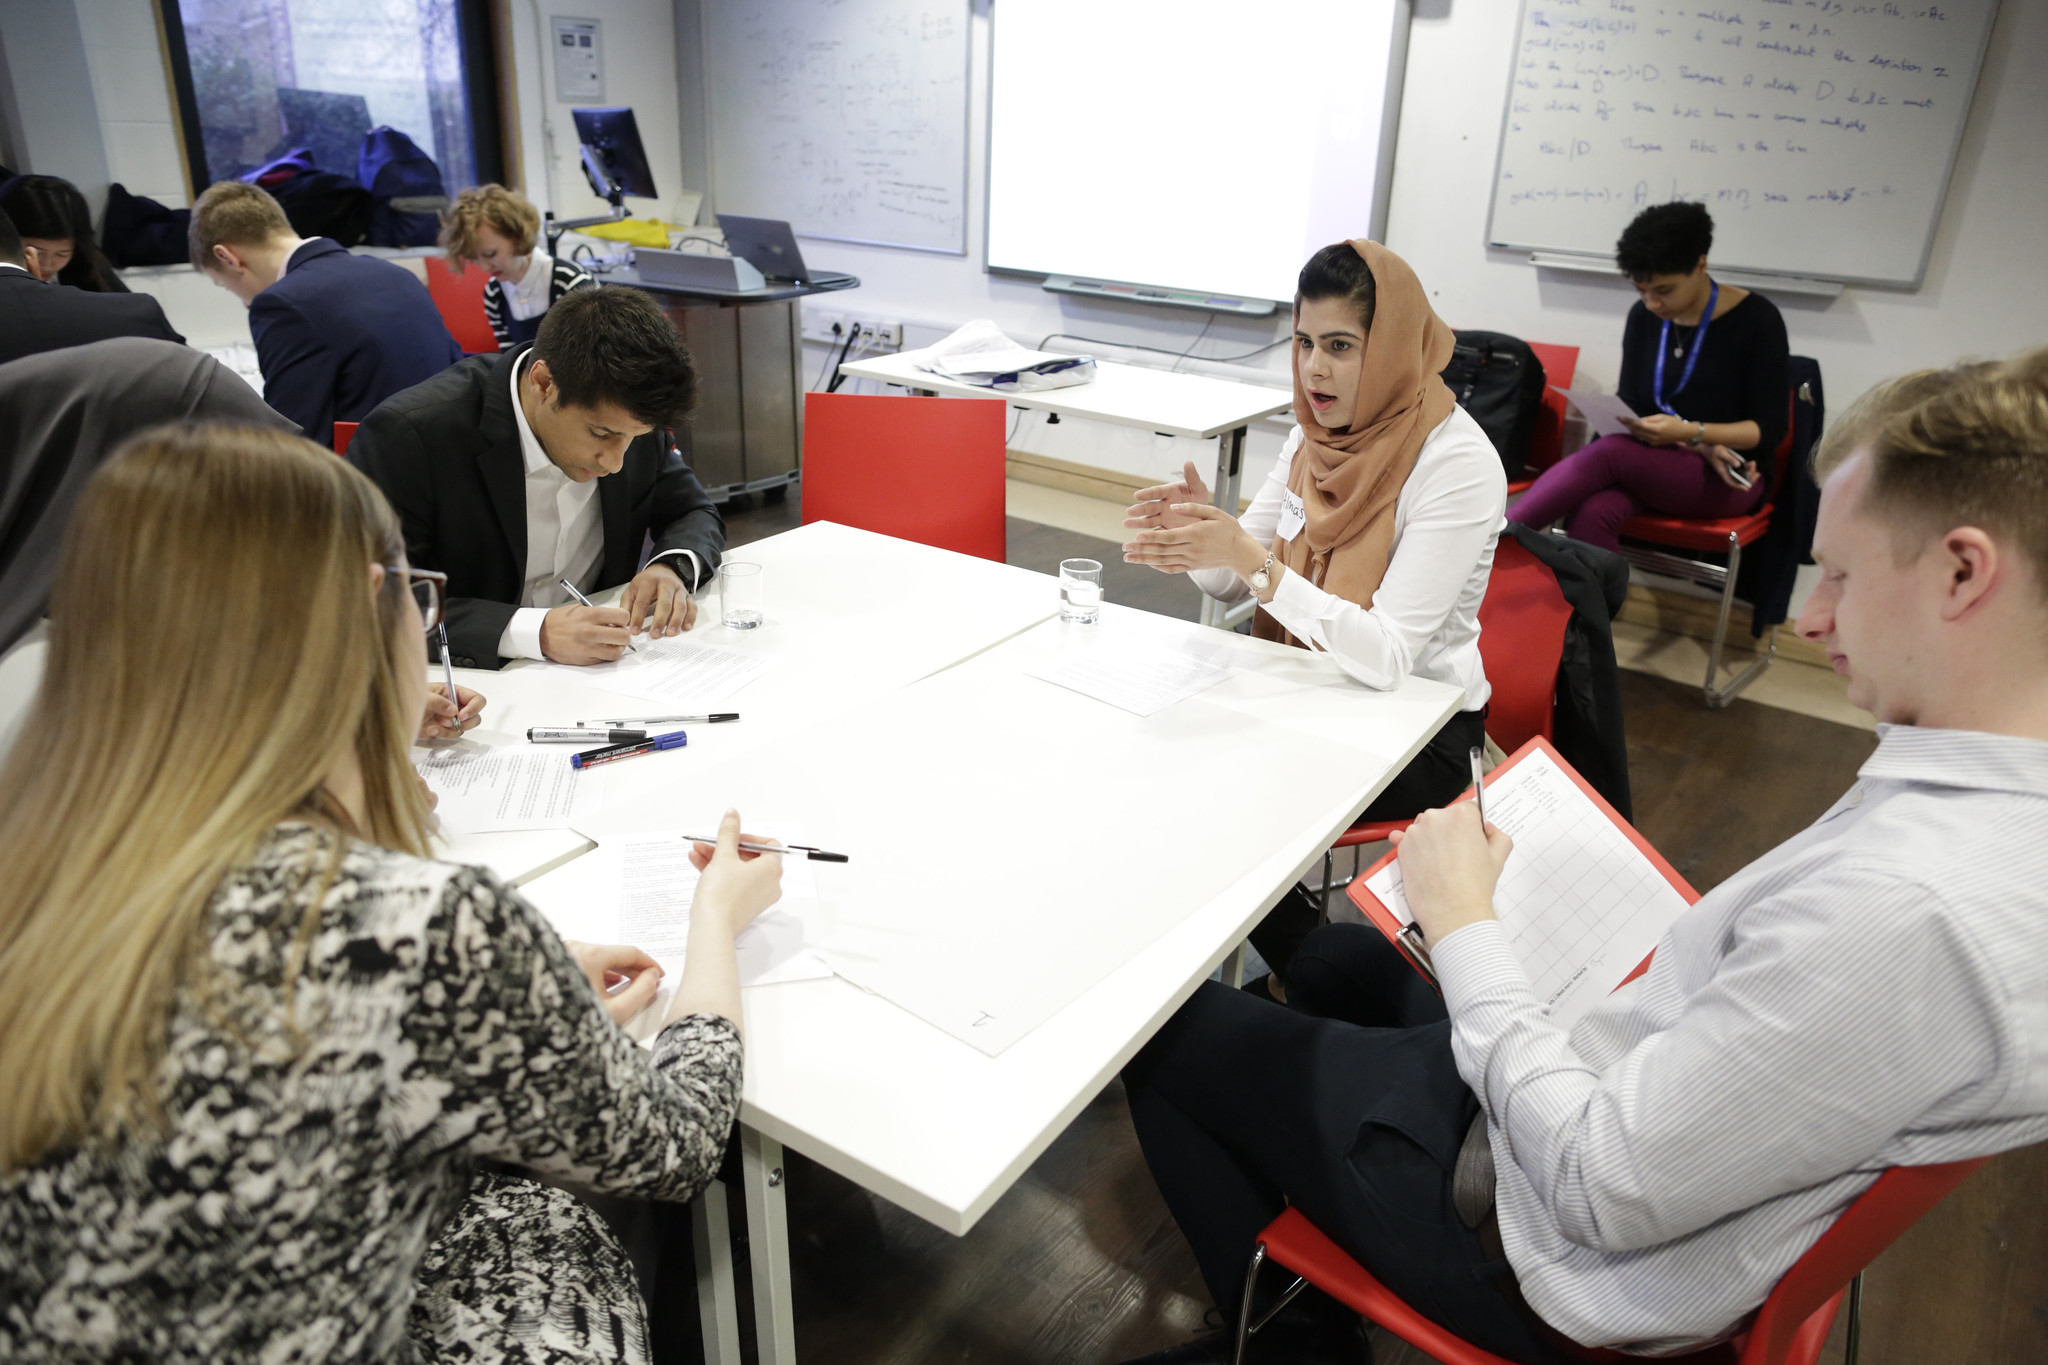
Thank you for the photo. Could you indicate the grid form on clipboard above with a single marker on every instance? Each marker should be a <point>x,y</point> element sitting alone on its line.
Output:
<point>1583,900</point>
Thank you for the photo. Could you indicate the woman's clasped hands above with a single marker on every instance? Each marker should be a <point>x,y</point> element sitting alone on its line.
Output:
<point>1179,529</point>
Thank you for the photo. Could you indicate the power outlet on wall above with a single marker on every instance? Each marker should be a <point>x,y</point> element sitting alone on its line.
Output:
<point>883,334</point>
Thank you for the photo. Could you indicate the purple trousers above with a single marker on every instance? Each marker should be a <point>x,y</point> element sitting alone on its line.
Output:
<point>1616,477</point>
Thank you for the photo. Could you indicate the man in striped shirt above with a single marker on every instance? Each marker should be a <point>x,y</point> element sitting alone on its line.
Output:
<point>1872,993</point>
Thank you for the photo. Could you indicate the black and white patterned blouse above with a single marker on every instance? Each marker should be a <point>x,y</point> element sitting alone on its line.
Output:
<point>318,1196</point>
<point>512,327</point>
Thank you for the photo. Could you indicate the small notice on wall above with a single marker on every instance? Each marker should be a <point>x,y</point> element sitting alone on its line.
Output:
<point>579,61</point>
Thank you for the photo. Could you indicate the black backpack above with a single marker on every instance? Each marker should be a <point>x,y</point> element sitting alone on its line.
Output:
<point>1499,380</point>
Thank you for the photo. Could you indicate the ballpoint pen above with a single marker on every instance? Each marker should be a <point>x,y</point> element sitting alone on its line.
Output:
<point>584,601</point>
<point>816,855</point>
<point>448,672</point>
<point>711,719</point>
<point>1479,783</point>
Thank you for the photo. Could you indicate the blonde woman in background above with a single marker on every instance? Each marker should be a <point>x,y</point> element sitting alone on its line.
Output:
<point>494,228</point>
<point>258,1049</point>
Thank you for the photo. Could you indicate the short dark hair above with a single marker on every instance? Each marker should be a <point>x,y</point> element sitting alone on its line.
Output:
<point>1339,272</point>
<point>1665,239</point>
<point>10,242</point>
<point>52,208</point>
<point>613,344</point>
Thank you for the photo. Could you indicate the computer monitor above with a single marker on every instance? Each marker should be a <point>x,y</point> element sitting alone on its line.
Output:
<point>613,159</point>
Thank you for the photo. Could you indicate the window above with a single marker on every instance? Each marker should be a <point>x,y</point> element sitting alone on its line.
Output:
<point>258,79</point>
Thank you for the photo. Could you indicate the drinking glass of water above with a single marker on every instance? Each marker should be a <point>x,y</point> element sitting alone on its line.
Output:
<point>1080,591</point>
<point>739,594</point>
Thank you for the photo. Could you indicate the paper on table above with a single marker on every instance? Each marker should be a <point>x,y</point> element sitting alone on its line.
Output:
<point>656,885</point>
<point>679,671</point>
<point>1603,411</point>
<point>1142,679</point>
<point>484,789</point>
<point>1580,904</point>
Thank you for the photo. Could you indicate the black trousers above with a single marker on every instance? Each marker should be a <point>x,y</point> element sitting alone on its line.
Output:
<point>1345,1103</point>
<point>1432,778</point>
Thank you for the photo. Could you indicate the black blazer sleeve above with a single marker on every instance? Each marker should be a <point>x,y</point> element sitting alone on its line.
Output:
<point>1638,351</point>
<point>681,515</point>
<point>300,371</point>
<point>391,449</point>
<point>150,319</point>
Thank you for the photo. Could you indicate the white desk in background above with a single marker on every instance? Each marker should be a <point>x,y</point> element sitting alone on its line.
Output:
<point>984,758</point>
<point>1190,405</point>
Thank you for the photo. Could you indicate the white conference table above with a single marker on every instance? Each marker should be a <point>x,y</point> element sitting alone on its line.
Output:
<point>1172,404</point>
<point>857,1083</point>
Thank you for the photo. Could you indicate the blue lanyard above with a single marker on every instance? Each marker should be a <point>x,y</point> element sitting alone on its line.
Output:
<point>1692,358</point>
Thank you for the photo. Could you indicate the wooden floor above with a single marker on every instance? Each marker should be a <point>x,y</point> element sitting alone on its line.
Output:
<point>1080,1263</point>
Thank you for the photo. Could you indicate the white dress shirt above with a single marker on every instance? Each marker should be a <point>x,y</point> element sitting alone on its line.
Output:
<point>564,538</point>
<point>1872,993</point>
<point>1424,620</point>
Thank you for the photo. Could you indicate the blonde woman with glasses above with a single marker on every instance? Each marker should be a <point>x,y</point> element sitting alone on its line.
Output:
<point>265,1063</point>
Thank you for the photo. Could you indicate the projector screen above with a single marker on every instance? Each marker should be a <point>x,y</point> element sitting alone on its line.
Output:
<point>1206,145</point>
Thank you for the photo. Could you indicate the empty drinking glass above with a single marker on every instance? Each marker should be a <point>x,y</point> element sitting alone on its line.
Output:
<point>1080,591</point>
<point>739,595</point>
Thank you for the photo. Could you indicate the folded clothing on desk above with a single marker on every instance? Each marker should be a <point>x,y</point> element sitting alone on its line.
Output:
<point>980,354</point>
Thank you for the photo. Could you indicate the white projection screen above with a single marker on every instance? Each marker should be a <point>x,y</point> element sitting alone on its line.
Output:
<point>1206,145</point>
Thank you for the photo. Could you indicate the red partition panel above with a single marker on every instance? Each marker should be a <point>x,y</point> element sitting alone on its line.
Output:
<point>461,301</point>
<point>923,469</point>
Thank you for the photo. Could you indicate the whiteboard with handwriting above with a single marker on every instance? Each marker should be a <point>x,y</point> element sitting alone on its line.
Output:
<point>848,120</point>
<point>1818,132</point>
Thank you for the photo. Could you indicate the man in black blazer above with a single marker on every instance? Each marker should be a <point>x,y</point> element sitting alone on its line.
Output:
<point>336,334</point>
<point>551,461</point>
<point>37,317</point>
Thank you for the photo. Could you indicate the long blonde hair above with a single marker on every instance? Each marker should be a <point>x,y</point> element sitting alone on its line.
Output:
<point>214,645</point>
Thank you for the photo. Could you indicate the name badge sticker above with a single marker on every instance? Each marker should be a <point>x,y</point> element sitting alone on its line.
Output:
<point>1293,516</point>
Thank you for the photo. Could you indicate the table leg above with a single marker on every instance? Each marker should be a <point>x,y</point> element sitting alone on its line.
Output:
<point>1229,470</point>
<point>768,1242</point>
<point>1233,968</point>
<point>717,1300</point>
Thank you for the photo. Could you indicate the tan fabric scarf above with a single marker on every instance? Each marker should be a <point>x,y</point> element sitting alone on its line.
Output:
<point>1348,481</point>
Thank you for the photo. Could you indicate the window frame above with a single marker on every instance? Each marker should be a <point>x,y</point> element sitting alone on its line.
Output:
<point>477,24</point>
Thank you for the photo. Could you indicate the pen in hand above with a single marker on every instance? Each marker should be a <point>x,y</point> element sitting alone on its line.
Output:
<point>816,855</point>
<point>448,672</point>
<point>584,601</point>
<point>1479,783</point>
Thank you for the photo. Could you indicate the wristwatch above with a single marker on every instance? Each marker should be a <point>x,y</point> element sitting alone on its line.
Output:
<point>1262,577</point>
<point>1699,433</point>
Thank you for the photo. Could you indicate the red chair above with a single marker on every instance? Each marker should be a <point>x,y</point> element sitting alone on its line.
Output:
<point>1546,444</point>
<point>344,432</point>
<point>461,301</point>
<point>1521,641</point>
<point>1789,1329</point>
<point>1725,536</point>
<point>922,469</point>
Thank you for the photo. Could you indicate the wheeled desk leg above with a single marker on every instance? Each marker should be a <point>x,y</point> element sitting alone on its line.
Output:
<point>768,1241</point>
<point>1229,471</point>
<point>717,1301</point>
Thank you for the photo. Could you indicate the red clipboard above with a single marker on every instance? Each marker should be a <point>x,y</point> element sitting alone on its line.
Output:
<point>1383,919</point>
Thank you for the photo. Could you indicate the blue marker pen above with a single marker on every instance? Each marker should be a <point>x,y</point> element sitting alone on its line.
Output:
<point>590,758</point>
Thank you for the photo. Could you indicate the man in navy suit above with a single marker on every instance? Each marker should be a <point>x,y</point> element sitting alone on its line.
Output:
<point>336,334</point>
<point>37,317</point>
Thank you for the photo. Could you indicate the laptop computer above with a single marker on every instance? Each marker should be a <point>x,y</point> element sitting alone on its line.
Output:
<point>769,246</point>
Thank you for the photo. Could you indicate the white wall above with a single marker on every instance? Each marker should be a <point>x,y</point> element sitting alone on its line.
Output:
<point>1985,279</point>
<point>132,91</point>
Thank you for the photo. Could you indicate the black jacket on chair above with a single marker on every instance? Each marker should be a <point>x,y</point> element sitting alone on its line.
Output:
<point>37,317</point>
<point>1587,727</point>
<point>446,453</point>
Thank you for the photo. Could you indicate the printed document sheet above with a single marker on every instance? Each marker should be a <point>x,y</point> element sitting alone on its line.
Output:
<point>679,671</point>
<point>656,885</point>
<point>1140,678</point>
<point>1580,903</point>
<point>1603,411</point>
<point>485,789</point>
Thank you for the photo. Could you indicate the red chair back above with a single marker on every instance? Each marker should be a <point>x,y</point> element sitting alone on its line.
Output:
<point>922,469</point>
<point>1521,640</point>
<point>344,432</point>
<point>461,301</point>
<point>1790,1329</point>
<point>1560,367</point>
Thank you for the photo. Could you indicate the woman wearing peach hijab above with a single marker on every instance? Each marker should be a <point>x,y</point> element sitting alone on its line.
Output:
<point>1373,537</point>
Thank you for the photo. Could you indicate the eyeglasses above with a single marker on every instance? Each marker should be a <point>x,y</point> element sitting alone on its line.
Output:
<point>429,592</point>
